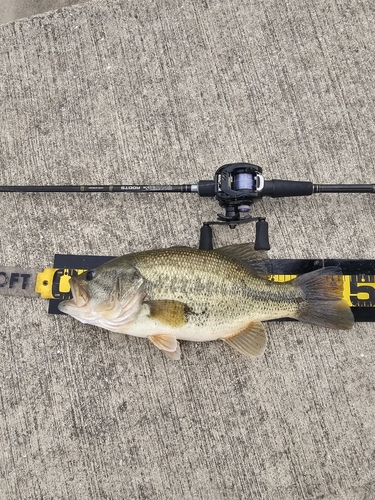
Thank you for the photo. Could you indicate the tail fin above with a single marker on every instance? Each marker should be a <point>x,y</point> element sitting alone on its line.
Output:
<point>323,304</point>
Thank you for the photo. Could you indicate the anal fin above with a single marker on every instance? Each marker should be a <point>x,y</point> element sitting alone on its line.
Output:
<point>251,340</point>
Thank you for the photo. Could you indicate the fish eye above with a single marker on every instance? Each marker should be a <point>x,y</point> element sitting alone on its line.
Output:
<point>90,274</point>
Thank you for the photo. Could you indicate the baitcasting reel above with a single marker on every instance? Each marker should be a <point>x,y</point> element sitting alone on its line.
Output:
<point>236,187</point>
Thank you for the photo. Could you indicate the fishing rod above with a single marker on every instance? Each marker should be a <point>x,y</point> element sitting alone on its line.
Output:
<point>236,186</point>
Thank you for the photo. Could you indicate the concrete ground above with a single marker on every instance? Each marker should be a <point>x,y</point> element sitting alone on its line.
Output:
<point>10,10</point>
<point>114,91</point>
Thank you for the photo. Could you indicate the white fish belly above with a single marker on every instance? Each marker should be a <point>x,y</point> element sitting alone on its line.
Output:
<point>144,326</point>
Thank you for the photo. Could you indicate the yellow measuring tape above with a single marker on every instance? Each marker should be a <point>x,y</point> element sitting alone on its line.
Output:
<point>53,283</point>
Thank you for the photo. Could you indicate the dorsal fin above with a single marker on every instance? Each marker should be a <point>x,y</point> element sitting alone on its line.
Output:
<point>255,260</point>
<point>243,251</point>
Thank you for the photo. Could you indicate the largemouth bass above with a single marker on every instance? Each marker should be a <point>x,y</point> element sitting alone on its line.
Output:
<point>182,293</point>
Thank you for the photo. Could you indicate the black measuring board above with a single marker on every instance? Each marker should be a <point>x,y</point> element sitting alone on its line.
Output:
<point>359,277</point>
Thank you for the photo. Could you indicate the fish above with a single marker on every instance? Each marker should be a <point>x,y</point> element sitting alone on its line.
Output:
<point>183,293</point>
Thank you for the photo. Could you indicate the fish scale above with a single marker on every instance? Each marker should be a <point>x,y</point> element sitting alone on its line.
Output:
<point>220,281</point>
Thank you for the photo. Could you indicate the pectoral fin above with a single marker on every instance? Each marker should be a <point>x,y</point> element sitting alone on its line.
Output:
<point>168,344</point>
<point>170,312</point>
<point>250,341</point>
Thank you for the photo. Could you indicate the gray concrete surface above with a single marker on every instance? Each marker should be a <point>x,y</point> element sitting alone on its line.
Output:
<point>10,10</point>
<point>166,92</point>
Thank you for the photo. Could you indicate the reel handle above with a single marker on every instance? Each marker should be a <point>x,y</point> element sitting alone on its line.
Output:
<point>261,235</point>
<point>205,240</point>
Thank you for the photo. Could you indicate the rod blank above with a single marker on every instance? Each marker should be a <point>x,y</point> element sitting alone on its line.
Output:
<point>120,188</point>
<point>274,188</point>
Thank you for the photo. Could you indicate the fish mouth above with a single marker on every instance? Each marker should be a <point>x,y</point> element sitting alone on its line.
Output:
<point>115,315</point>
<point>80,296</point>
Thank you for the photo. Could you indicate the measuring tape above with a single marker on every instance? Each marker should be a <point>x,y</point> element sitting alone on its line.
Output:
<point>53,283</point>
